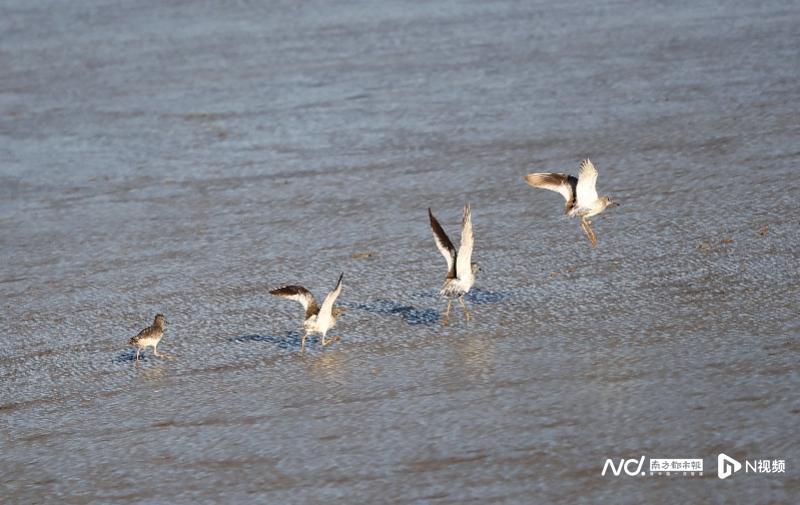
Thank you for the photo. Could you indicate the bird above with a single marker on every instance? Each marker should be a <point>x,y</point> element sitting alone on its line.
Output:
<point>150,336</point>
<point>317,319</point>
<point>580,194</point>
<point>460,268</point>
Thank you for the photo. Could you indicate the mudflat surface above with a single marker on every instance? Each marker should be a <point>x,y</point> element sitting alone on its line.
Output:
<point>185,158</point>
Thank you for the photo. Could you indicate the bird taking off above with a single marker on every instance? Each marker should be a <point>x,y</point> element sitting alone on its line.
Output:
<point>460,268</point>
<point>580,194</point>
<point>317,319</point>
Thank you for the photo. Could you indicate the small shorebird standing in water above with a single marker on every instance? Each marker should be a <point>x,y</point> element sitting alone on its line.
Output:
<point>460,269</point>
<point>580,194</point>
<point>149,337</point>
<point>317,319</point>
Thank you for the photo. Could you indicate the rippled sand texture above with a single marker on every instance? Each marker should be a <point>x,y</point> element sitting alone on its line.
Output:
<point>186,157</point>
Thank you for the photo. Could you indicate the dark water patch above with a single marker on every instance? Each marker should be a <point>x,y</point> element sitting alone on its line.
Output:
<point>482,296</point>
<point>291,340</point>
<point>748,399</point>
<point>435,464</point>
<point>13,279</point>
<point>410,314</point>
<point>146,355</point>
<point>129,355</point>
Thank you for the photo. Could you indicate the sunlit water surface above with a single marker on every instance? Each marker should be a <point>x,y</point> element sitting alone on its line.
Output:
<point>186,158</point>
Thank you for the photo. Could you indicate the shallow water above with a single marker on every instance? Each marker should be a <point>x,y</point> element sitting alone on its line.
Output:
<point>185,158</point>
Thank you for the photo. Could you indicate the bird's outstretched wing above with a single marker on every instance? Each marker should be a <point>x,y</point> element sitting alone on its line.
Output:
<point>324,315</point>
<point>464,256</point>
<point>298,294</point>
<point>587,179</point>
<point>563,184</point>
<point>444,245</point>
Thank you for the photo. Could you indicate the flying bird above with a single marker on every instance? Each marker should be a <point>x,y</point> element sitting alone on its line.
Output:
<point>460,269</point>
<point>580,194</point>
<point>150,336</point>
<point>317,319</point>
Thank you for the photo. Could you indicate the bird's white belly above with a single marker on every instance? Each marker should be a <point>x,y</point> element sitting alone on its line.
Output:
<point>457,287</point>
<point>316,325</point>
<point>586,211</point>
<point>148,342</point>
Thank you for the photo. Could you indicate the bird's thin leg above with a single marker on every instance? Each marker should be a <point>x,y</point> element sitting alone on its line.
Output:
<point>446,319</point>
<point>137,354</point>
<point>593,237</point>
<point>164,355</point>
<point>155,351</point>
<point>587,229</point>
<point>303,342</point>
<point>464,306</point>
<point>583,226</point>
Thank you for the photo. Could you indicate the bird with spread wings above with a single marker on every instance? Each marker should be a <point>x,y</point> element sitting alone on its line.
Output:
<point>579,192</point>
<point>316,319</point>
<point>460,268</point>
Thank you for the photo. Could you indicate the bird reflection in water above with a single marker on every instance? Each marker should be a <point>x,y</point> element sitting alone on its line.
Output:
<point>152,374</point>
<point>328,367</point>
<point>475,355</point>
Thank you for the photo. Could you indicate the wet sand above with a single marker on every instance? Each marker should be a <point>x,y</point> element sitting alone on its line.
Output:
<point>186,158</point>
